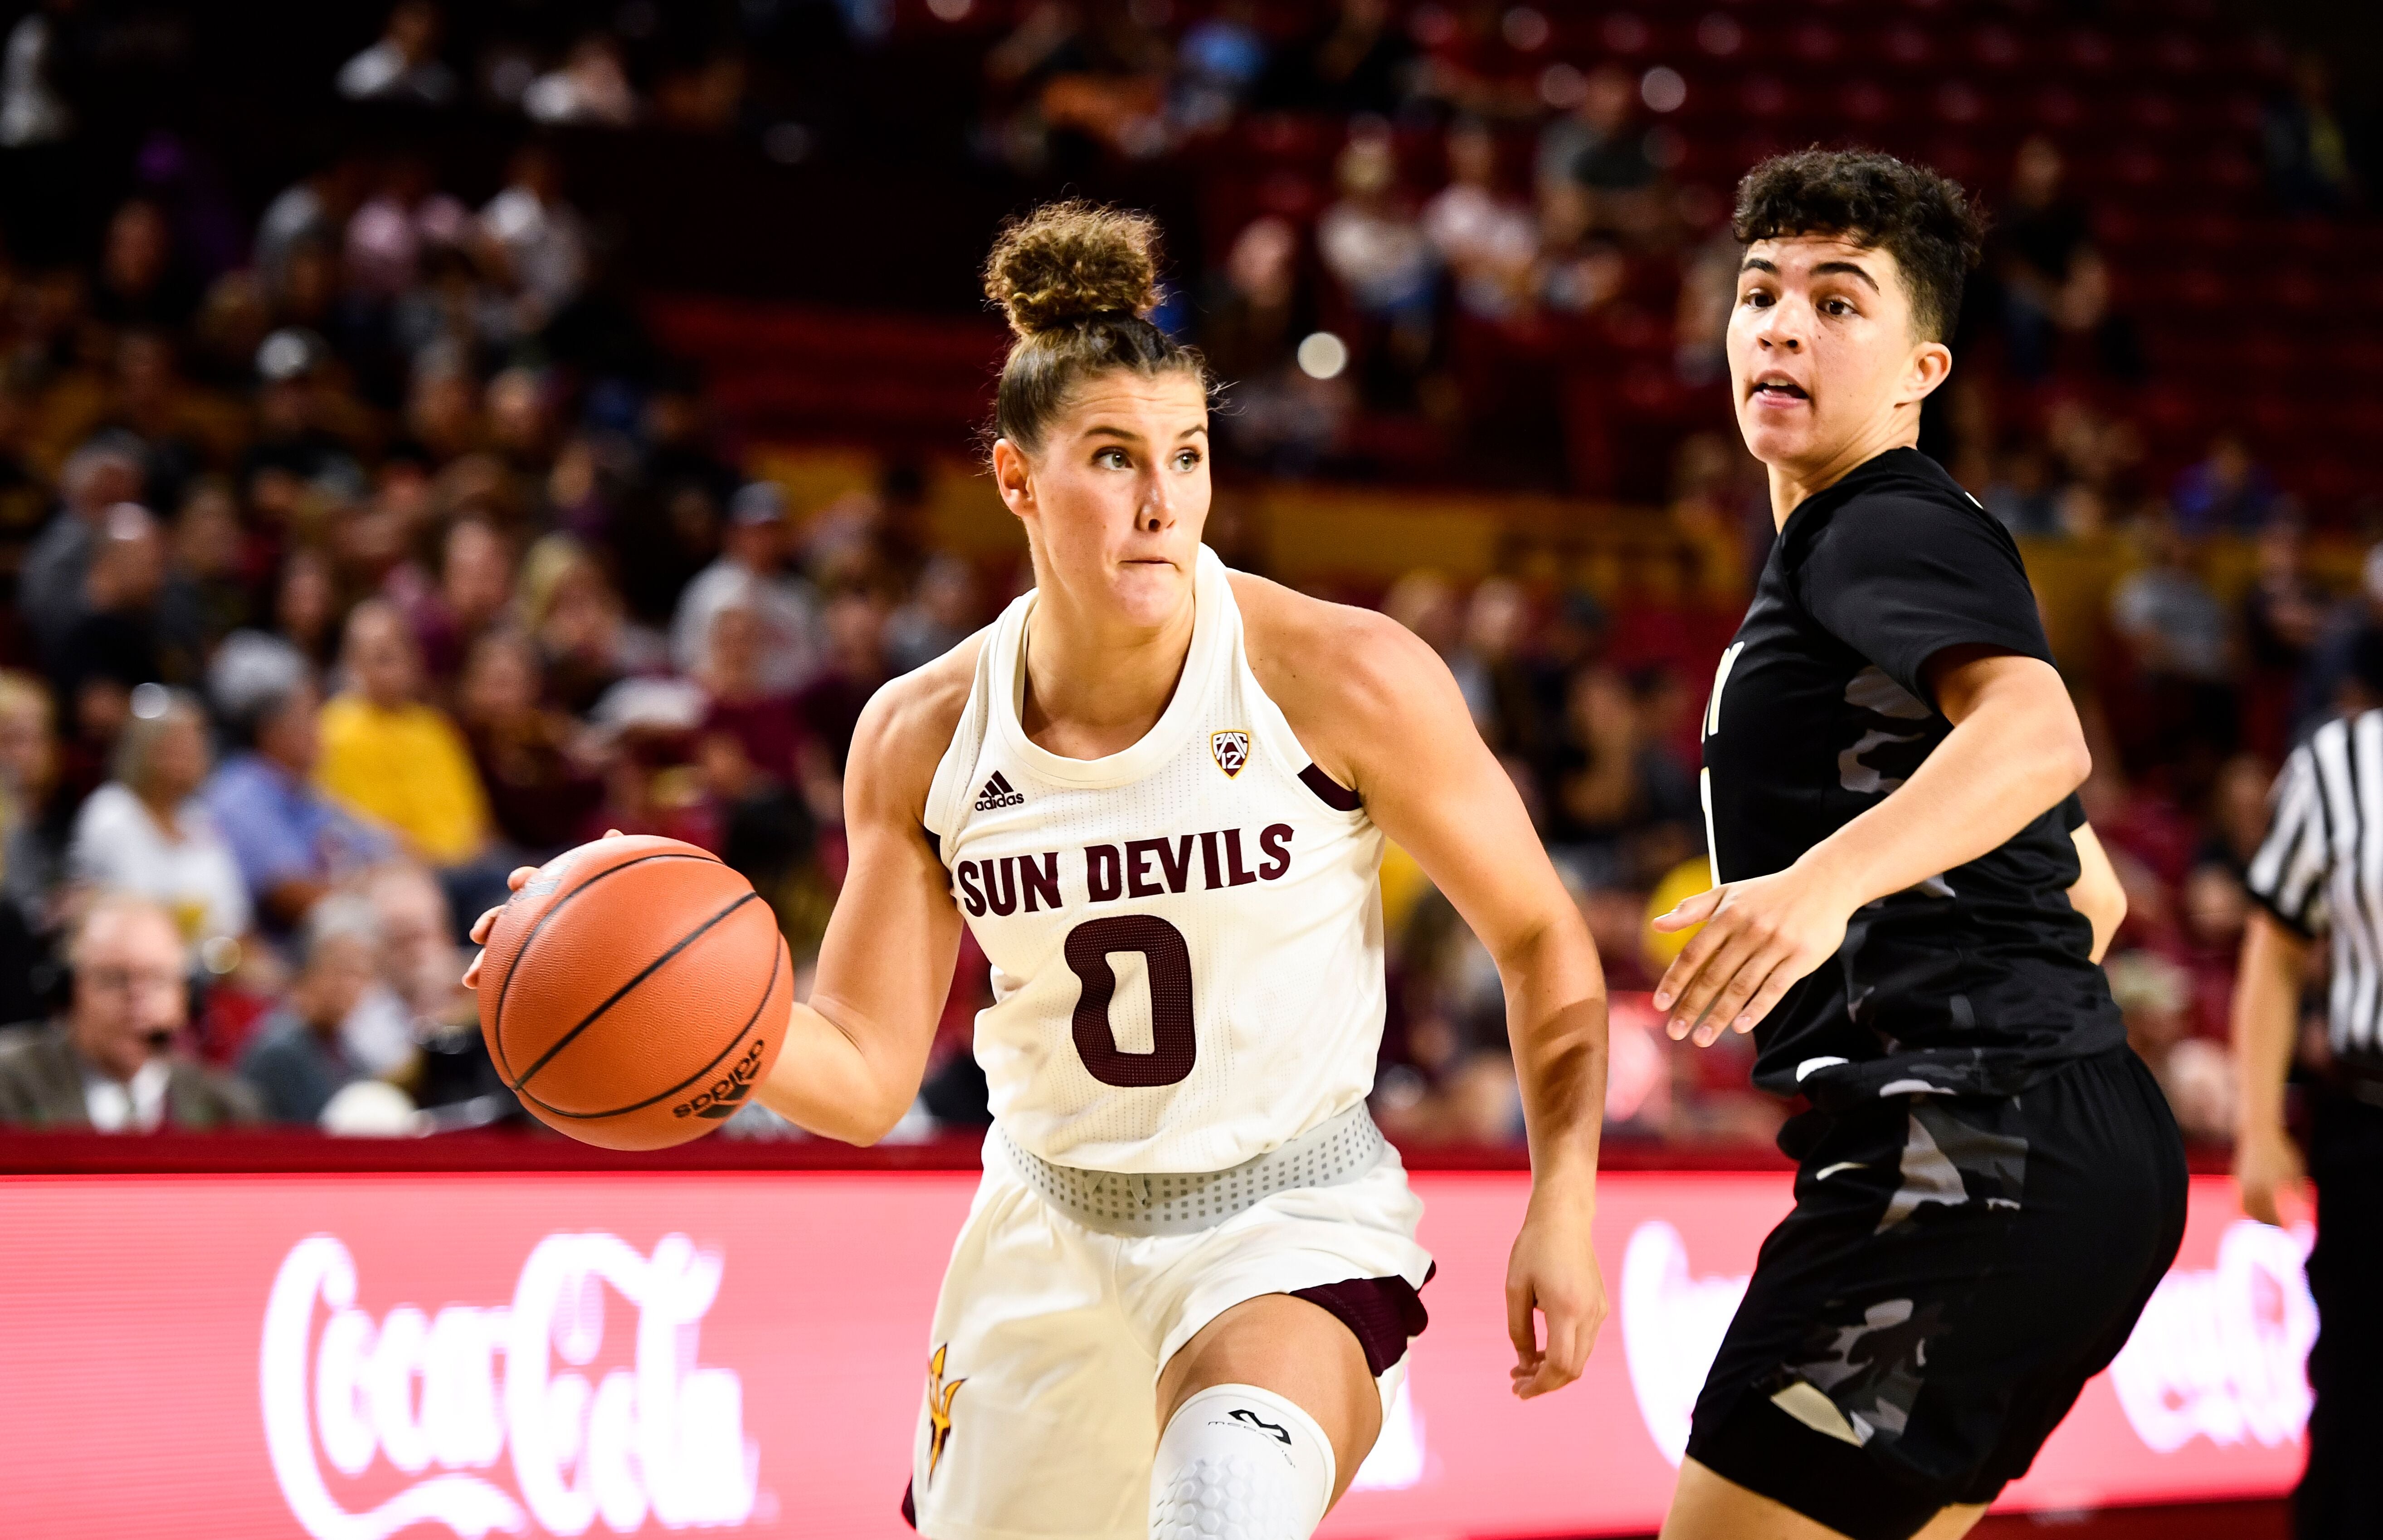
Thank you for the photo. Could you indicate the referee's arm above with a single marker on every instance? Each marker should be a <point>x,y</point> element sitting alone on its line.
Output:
<point>2267,1012</point>
<point>2287,879</point>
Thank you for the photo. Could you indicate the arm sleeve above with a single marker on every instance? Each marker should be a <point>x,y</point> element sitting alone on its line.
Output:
<point>1899,579</point>
<point>2287,876</point>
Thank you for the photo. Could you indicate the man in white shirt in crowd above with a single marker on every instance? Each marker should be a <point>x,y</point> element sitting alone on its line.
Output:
<point>750,575</point>
<point>112,1065</point>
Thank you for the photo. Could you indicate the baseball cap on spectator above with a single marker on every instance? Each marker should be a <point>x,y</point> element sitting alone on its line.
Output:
<point>289,353</point>
<point>758,502</point>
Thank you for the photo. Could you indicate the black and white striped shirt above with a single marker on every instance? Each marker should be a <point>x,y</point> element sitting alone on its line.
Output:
<point>2321,868</point>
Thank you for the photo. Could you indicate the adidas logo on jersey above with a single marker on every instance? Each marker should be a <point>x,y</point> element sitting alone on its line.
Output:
<point>998,793</point>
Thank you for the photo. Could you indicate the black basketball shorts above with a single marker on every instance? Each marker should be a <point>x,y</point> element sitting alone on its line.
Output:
<point>1955,1270</point>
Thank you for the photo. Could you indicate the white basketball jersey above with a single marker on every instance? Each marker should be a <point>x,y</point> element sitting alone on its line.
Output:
<point>1186,936</point>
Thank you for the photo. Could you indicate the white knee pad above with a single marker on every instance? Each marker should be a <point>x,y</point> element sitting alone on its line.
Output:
<point>1239,1463</point>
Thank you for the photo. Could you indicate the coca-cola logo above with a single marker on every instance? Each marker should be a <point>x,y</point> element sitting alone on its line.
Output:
<point>2221,1353</point>
<point>663,1439</point>
<point>1671,1326</point>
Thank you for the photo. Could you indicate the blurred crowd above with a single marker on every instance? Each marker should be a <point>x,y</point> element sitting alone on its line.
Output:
<point>364,548</point>
<point>341,585</point>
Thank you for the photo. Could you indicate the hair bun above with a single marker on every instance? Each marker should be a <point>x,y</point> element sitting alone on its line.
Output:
<point>1069,262</point>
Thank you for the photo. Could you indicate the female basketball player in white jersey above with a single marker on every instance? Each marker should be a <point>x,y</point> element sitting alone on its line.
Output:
<point>1157,792</point>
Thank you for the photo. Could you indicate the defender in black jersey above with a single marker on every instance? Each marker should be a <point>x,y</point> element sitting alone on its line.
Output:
<point>1909,915</point>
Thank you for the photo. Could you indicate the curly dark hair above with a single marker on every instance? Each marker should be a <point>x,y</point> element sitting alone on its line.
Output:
<point>1932,229</point>
<point>1075,280</point>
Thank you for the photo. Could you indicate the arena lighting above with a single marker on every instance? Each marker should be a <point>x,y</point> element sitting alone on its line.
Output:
<point>1662,89</point>
<point>950,10</point>
<point>462,1355</point>
<point>1321,355</point>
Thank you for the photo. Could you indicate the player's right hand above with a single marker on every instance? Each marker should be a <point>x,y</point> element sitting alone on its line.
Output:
<point>2267,1166</point>
<point>480,927</point>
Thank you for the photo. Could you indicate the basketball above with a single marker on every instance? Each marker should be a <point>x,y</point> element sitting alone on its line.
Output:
<point>634,991</point>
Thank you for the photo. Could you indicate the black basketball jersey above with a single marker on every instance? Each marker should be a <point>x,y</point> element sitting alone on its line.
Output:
<point>1979,977</point>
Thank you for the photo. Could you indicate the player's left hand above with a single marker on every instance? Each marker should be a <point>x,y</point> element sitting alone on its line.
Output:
<point>1760,936</point>
<point>1552,1272</point>
<point>514,880</point>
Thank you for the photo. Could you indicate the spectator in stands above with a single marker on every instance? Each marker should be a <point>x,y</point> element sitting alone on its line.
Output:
<point>387,238</point>
<point>292,843</point>
<point>589,88</point>
<point>111,1065</point>
<point>751,571</point>
<point>584,634</point>
<point>31,850</point>
<point>2054,279</point>
<point>2022,493</point>
<point>442,404</point>
<point>311,212</point>
<point>939,615</point>
<point>2155,996</point>
<point>2226,492</point>
<point>416,991</point>
<point>299,1059</point>
<point>2311,166</point>
<point>1487,241</point>
<point>1217,64</point>
<point>535,238</point>
<point>105,471</point>
<point>744,719</point>
<point>543,773</point>
<point>2215,910</point>
<point>115,644</point>
<point>145,832</point>
<point>1249,326</point>
<point>404,66</point>
<point>140,283</point>
<point>2284,613</point>
<point>297,406</point>
<point>1619,802</point>
<point>1276,416</point>
<point>390,755</point>
<point>1375,250</point>
<point>33,110</point>
<point>829,706</point>
<point>2167,614</point>
<point>2180,707</point>
<point>1602,147</point>
<point>474,587</point>
<point>1490,670</point>
<point>1359,61</point>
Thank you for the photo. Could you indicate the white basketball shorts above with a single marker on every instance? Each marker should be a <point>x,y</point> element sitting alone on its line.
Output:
<point>1040,1414</point>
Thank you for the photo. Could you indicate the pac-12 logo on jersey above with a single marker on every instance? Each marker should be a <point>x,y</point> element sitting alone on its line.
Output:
<point>1231,749</point>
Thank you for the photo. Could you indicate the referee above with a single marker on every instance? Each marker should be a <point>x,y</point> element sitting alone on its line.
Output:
<point>2319,871</point>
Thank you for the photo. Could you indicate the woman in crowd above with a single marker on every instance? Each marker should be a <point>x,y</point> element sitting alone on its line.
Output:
<point>145,831</point>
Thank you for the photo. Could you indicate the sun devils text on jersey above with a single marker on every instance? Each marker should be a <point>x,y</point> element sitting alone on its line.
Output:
<point>1185,936</point>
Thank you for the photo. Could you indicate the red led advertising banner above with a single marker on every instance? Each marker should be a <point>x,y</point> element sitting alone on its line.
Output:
<point>357,1357</point>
